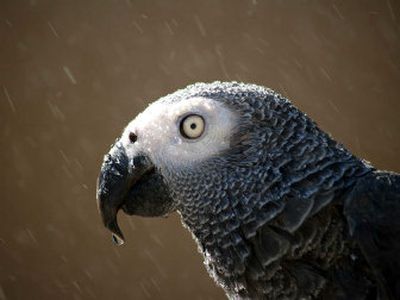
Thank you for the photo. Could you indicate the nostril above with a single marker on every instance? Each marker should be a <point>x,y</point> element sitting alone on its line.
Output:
<point>132,137</point>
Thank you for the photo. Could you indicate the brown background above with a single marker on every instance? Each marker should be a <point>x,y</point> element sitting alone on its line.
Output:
<point>73,73</point>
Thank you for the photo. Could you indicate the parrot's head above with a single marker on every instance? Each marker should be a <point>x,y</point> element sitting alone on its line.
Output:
<point>227,153</point>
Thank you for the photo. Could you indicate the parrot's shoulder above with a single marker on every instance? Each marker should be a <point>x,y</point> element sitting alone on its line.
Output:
<point>372,210</point>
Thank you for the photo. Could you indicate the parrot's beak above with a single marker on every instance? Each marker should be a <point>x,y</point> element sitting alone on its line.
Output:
<point>117,176</point>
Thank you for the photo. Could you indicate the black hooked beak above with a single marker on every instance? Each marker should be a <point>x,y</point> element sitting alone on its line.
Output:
<point>117,176</point>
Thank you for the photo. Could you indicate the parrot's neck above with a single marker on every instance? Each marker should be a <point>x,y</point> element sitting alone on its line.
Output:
<point>247,230</point>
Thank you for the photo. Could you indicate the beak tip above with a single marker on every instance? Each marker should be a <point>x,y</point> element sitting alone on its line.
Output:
<point>117,239</point>
<point>112,225</point>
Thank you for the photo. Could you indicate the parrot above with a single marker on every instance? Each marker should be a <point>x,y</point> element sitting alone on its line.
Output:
<point>278,209</point>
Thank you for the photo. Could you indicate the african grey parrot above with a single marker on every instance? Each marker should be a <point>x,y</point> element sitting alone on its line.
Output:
<point>279,210</point>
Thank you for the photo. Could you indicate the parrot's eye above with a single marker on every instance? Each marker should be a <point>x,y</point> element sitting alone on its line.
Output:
<point>192,126</point>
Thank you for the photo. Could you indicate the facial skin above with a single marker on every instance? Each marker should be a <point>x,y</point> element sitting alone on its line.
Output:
<point>159,134</point>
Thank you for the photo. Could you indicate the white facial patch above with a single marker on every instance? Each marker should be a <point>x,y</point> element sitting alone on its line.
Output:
<point>159,136</point>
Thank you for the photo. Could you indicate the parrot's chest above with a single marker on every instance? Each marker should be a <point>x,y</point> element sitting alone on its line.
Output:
<point>274,266</point>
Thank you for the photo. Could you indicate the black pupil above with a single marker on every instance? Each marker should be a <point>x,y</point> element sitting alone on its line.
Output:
<point>193,126</point>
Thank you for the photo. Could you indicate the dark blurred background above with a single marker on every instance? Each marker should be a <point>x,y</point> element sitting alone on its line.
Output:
<point>73,73</point>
